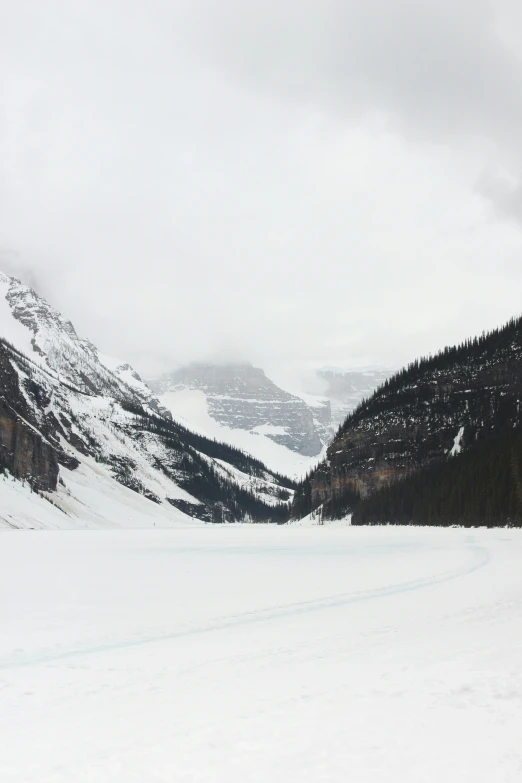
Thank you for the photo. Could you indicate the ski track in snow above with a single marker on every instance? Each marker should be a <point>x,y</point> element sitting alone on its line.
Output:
<point>256,653</point>
<point>480,558</point>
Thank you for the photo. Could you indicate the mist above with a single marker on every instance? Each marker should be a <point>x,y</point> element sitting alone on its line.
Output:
<point>293,184</point>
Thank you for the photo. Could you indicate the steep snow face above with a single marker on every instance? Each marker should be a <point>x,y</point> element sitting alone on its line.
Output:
<point>104,427</point>
<point>128,376</point>
<point>106,467</point>
<point>190,408</point>
<point>41,332</point>
<point>241,397</point>
<point>111,459</point>
<point>12,329</point>
<point>87,497</point>
<point>457,443</point>
<point>238,404</point>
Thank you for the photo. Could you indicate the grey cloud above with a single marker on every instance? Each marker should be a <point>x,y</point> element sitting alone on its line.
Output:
<point>505,192</point>
<point>445,67</point>
<point>445,72</point>
<point>11,263</point>
<point>289,182</point>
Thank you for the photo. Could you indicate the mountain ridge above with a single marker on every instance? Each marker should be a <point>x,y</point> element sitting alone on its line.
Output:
<point>432,410</point>
<point>62,398</point>
<point>241,396</point>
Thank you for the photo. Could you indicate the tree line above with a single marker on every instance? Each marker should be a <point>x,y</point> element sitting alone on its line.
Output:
<point>480,487</point>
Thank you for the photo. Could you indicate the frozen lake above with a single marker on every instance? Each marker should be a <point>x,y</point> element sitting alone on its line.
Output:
<point>261,654</point>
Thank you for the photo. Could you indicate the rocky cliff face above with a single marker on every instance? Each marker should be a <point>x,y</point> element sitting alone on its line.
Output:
<point>430,411</point>
<point>323,420</point>
<point>24,452</point>
<point>242,397</point>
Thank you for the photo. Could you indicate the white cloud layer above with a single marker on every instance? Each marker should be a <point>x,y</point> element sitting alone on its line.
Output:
<point>290,182</point>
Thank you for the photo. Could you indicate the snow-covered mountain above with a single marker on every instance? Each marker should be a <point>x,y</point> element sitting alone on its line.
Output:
<point>41,332</point>
<point>84,431</point>
<point>238,404</point>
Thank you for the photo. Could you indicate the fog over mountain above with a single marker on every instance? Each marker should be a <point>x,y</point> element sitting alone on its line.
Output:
<point>292,184</point>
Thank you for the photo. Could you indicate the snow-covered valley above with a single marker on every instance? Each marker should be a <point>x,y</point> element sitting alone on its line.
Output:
<point>255,653</point>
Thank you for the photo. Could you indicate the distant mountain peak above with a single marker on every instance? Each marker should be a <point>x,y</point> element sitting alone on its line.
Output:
<point>54,340</point>
<point>240,396</point>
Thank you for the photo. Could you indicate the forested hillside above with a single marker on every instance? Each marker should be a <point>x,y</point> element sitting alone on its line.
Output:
<point>441,422</point>
<point>483,486</point>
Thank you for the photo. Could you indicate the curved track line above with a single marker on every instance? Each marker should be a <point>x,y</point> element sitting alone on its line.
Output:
<point>481,557</point>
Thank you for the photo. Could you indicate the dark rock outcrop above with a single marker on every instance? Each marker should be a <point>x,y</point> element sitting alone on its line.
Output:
<point>24,452</point>
<point>195,510</point>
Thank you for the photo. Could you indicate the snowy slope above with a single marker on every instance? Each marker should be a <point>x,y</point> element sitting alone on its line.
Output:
<point>94,415</point>
<point>93,432</point>
<point>39,331</point>
<point>247,654</point>
<point>88,498</point>
<point>242,397</point>
<point>190,408</point>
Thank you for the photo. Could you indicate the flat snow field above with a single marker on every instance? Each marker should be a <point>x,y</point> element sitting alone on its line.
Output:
<point>255,653</point>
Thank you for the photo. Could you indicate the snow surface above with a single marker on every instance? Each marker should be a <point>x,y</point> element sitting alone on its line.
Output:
<point>64,354</point>
<point>269,429</point>
<point>125,373</point>
<point>189,408</point>
<point>457,443</point>
<point>247,654</point>
<point>89,497</point>
<point>10,328</point>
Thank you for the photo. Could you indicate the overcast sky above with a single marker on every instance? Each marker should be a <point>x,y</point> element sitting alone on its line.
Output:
<point>292,182</point>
